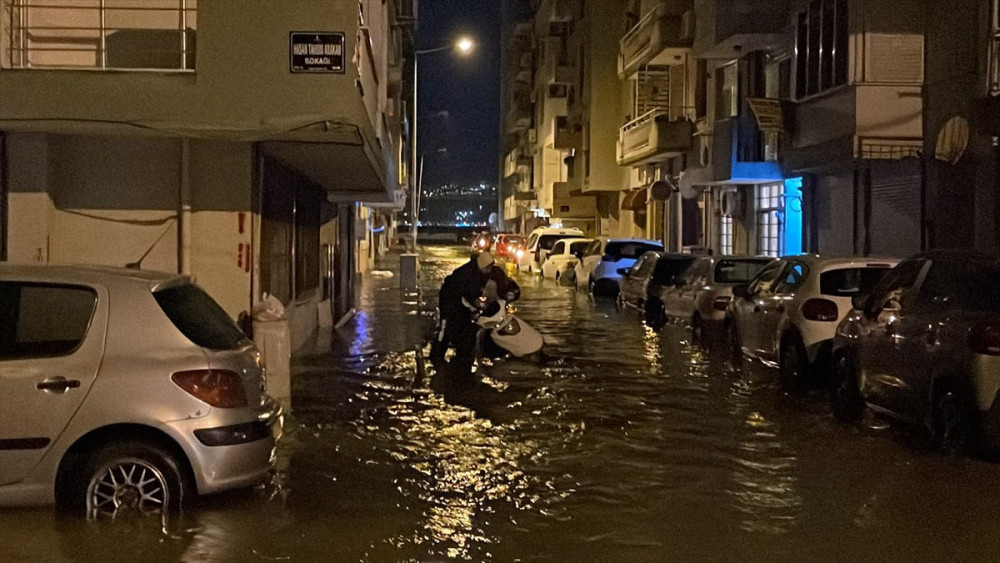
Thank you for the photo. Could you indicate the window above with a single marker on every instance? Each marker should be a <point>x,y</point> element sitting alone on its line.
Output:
<point>792,278</point>
<point>894,286</point>
<point>769,227</point>
<point>558,248</point>
<point>38,320</point>
<point>104,34</point>
<point>727,100</point>
<point>668,269</point>
<point>848,282</point>
<point>578,247</point>
<point>726,234</point>
<point>821,47</point>
<point>960,284</point>
<point>199,317</point>
<point>767,277</point>
<point>738,271</point>
<point>618,250</point>
<point>594,249</point>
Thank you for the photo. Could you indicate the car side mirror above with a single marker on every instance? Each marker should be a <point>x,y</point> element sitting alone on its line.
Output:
<point>741,290</point>
<point>625,271</point>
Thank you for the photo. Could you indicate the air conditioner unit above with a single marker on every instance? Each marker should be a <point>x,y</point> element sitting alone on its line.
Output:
<point>687,25</point>
<point>731,203</point>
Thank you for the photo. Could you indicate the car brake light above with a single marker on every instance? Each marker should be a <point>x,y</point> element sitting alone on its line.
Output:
<point>985,339</point>
<point>720,303</point>
<point>219,388</point>
<point>822,310</point>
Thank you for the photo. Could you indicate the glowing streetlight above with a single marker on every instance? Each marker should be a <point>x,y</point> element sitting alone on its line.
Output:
<point>464,46</point>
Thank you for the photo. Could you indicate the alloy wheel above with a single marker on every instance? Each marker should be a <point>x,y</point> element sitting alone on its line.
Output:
<point>127,485</point>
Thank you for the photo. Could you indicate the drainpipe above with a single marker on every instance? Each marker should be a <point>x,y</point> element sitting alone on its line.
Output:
<point>4,197</point>
<point>184,211</point>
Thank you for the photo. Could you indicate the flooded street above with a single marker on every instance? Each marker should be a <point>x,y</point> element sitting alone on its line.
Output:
<point>627,445</point>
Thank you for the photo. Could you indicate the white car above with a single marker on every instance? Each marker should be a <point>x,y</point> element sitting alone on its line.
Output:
<point>598,270</point>
<point>125,391</point>
<point>564,256</point>
<point>788,314</point>
<point>540,241</point>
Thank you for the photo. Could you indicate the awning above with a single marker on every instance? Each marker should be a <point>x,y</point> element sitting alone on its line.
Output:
<point>635,200</point>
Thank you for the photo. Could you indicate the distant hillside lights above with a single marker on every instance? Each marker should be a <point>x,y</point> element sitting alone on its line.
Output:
<point>482,189</point>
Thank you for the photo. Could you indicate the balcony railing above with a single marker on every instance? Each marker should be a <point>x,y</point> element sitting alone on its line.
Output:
<point>656,31</point>
<point>132,35</point>
<point>657,134</point>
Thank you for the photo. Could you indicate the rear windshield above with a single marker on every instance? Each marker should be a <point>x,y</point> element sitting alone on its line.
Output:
<point>578,247</point>
<point>849,282</point>
<point>669,268</point>
<point>964,285</point>
<point>199,317</point>
<point>738,271</point>
<point>546,242</point>
<point>512,239</point>
<point>632,250</point>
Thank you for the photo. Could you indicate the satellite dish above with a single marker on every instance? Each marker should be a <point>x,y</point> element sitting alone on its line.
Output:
<point>952,140</point>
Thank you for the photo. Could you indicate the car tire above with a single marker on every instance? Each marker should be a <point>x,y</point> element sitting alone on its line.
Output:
<point>845,396</point>
<point>793,363</point>
<point>656,314</point>
<point>133,476</point>
<point>733,339</point>
<point>697,328</point>
<point>953,424</point>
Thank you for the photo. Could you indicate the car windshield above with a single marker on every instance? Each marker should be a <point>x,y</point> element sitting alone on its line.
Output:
<point>618,250</point>
<point>738,271</point>
<point>965,285</point>
<point>847,282</point>
<point>546,242</point>
<point>578,247</point>
<point>199,317</point>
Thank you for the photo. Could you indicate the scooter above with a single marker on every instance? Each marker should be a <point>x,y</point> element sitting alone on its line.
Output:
<point>506,334</point>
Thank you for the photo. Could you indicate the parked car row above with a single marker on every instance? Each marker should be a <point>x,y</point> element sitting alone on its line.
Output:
<point>917,340</point>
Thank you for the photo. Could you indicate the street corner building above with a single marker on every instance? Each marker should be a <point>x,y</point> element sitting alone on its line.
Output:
<point>256,146</point>
<point>755,126</point>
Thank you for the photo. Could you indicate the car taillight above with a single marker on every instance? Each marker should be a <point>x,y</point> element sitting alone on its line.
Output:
<point>985,339</point>
<point>720,303</point>
<point>822,310</point>
<point>520,253</point>
<point>219,388</point>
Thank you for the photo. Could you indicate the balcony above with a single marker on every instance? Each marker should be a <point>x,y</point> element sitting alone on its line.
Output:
<point>555,68</point>
<point>563,135</point>
<point>516,163</point>
<point>560,10</point>
<point>655,136</point>
<point>749,25</point>
<point>661,33</point>
<point>569,202</point>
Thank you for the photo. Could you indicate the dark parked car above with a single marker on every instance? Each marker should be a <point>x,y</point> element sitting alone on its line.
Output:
<point>924,347</point>
<point>652,272</point>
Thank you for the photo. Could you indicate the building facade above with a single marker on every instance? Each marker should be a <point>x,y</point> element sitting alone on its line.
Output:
<point>154,133</point>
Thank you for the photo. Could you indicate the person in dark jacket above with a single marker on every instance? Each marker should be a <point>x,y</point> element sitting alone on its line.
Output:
<point>462,296</point>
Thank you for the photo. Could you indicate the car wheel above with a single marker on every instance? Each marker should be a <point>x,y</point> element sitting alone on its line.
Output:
<point>793,363</point>
<point>845,397</point>
<point>953,422</point>
<point>733,339</point>
<point>130,477</point>
<point>697,329</point>
<point>656,314</point>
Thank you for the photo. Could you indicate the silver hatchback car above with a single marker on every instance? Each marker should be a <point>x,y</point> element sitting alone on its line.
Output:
<point>125,390</point>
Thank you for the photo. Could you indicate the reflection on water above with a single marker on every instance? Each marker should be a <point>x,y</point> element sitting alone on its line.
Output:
<point>628,444</point>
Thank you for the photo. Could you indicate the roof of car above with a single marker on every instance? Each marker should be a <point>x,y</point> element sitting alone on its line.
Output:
<point>642,240</point>
<point>958,253</point>
<point>820,261</point>
<point>84,273</point>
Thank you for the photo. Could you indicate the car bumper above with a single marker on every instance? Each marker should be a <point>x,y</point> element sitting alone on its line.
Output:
<point>229,456</point>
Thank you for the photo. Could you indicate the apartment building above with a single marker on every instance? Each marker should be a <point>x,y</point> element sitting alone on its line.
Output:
<point>227,140</point>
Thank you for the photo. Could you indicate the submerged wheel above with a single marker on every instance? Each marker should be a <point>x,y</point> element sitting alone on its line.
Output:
<point>845,396</point>
<point>129,477</point>
<point>953,421</point>
<point>697,329</point>
<point>793,364</point>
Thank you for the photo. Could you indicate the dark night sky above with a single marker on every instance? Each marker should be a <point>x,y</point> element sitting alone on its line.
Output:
<point>467,87</point>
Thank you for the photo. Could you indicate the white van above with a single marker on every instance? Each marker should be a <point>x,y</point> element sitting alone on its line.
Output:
<point>540,242</point>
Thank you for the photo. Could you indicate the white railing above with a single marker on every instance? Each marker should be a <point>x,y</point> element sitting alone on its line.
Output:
<point>100,34</point>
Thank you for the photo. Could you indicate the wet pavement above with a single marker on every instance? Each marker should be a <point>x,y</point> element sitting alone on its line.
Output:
<point>625,445</point>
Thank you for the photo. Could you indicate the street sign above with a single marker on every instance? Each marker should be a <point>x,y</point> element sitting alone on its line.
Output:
<point>316,52</point>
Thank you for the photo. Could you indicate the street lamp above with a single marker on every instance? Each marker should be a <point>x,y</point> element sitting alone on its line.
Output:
<point>463,46</point>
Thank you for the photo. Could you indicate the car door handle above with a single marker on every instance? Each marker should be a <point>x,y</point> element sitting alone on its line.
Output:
<point>59,384</point>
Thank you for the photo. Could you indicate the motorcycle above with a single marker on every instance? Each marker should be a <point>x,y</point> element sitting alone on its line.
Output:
<point>506,334</point>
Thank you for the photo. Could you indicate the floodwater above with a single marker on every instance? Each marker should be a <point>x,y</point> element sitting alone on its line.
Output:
<point>626,445</point>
